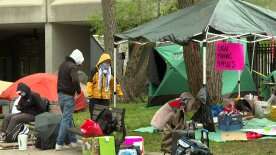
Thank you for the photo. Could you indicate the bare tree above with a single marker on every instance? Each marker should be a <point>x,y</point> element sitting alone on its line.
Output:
<point>214,83</point>
<point>135,79</point>
<point>193,61</point>
<point>108,9</point>
<point>193,66</point>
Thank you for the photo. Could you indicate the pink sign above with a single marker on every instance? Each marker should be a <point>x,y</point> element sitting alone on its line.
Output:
<point>229,56</point>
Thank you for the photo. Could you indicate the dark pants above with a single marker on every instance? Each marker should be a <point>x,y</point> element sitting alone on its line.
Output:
<point>92,102</point>
<point>11,120</point>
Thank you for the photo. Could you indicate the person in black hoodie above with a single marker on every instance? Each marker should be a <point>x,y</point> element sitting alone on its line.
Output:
<point>68,86</point>
<point>29,105</point>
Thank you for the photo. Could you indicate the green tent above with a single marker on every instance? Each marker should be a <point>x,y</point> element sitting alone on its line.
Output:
<point>168,65</point>
<point>224,16</point>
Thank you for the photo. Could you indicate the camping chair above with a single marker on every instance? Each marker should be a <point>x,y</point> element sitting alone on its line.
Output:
<point>119,115</point>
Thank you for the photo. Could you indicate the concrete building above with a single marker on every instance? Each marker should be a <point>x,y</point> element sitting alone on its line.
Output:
<point>36,35</point>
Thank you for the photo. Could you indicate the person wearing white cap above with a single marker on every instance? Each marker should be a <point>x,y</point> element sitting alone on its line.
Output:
<point>68,85</point>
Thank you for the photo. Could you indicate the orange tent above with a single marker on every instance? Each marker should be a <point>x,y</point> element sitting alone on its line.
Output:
<point>44,84</point>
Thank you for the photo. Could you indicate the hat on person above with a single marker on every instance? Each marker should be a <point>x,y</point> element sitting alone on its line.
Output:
<point>23,90</point>
<point>77,56</point>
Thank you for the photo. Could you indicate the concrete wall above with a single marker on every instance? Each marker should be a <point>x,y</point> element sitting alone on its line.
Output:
<point>61,40</point>
<point>43,11</point>
<point>72,10</point>
<point>22,11</point>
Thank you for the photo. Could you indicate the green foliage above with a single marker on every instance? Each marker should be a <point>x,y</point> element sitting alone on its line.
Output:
<point>96,22</point>
<point>269,4</point>
<point>130,14</point>
<point>168,7</point>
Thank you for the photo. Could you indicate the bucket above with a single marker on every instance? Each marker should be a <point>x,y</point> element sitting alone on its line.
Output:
<point>262,109</point>
<point>137,141</point>
<point>22,141</point>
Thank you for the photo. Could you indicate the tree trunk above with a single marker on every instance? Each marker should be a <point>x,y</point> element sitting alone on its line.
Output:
<point>135,79</point>
<point>194,69</point>
<point>193,63</point>
<point>108,9</point>
<point>186,3</point>
<point>214,83</point>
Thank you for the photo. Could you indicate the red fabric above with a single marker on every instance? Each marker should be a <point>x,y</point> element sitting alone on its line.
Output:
<point>80,102</point>
<point>91,129</point>
<point>175,103</point>
<point>253,135</point>
<point>43,83</point>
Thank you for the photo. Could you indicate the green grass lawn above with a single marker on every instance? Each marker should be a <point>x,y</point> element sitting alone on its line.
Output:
<point>138,115</point>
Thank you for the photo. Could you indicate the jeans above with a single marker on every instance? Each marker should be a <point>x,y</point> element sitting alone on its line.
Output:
<point>67,108</point>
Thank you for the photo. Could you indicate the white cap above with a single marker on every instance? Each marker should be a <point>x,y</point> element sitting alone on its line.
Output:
<point>77,56</point>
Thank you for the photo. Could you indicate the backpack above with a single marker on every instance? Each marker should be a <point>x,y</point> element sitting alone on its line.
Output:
<point>46,130</point>
<point>106,121</point>
<point>186,146</point>
<point>12,135</point>
<point>46,143</point>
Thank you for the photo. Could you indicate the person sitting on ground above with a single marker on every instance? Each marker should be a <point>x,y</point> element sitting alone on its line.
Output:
<point>30,104</point>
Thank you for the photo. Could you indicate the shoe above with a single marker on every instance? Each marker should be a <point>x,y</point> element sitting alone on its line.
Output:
<point>61,147</point>
<point>73,145</point>
<point>58,147</point>
<point>2,137</point>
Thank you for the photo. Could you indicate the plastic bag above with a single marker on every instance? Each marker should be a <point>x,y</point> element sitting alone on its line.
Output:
<point>91,129</point>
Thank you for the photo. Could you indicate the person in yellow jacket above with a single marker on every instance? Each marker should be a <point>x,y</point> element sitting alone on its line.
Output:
<point>101,83</point>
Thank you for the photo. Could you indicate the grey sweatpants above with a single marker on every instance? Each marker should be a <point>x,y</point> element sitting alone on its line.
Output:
<point>11,120</point>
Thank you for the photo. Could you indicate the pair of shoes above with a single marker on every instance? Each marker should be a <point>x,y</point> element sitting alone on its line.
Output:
<point>61,147</point>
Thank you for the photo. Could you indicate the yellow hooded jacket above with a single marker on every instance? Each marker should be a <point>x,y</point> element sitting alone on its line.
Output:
<point>93,91</point>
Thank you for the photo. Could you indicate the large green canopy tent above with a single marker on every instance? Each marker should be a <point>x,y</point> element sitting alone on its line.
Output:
<point>223,18</point>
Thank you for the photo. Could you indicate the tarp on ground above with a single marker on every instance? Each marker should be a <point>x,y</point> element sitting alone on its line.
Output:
<point>168,76</point>
<point>226,16</point>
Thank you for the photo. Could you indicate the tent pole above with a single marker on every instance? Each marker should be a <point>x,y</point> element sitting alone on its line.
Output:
<point>115,73</point>
<point>252,59</point>
<point>204,55</point>
<point>117,45</point>
<point>239,84</point>
<point>204,63</point>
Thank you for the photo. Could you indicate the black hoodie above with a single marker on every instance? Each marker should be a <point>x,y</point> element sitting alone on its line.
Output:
<point>68,79</point>
<point>31,102</point>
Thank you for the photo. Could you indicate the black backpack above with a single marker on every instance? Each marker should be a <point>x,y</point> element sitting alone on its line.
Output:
<point>106,121</point>
<point>12,135</point>
<point>46,143</point>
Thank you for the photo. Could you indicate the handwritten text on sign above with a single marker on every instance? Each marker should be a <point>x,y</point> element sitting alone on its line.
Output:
<point>229,56</point>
